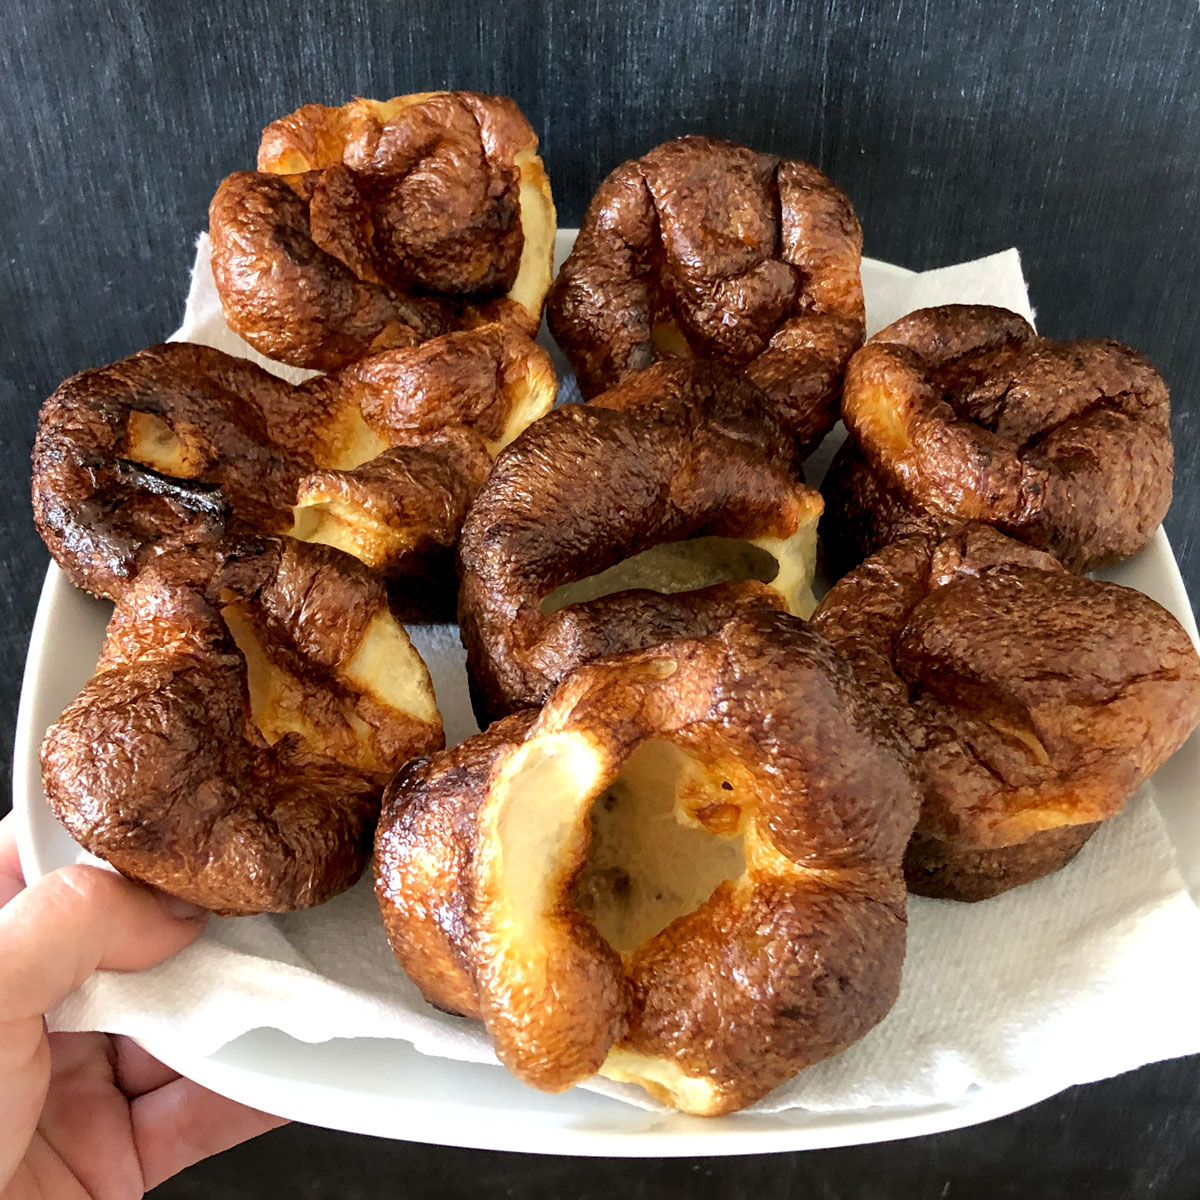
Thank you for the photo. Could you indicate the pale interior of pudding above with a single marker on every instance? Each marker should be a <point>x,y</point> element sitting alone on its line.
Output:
<point>151,441</point>
<point>388,668</point>
<point>538,225</point>
<point>349,442</point>
<point>787,564</point>
<point>797,559</point>
<point>659,850</point>
<point>664,835</point>
<point>667,338</point>
<point>672,567</point>
<point>538,795</point>
<point>332,521</point>
<point>384,666</point>
<point>664,1079</point>
<point>530,398</point>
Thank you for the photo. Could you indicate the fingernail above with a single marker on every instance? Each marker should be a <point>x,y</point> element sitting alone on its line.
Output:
<point>182,910</point>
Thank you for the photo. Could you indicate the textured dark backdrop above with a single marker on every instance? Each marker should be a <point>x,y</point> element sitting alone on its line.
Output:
<point>1067,129</point>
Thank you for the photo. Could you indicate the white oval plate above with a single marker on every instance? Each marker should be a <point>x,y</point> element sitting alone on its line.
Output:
<point>388,1089</point>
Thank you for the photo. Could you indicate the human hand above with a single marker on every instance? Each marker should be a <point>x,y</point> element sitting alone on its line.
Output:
<point>92,1114</point>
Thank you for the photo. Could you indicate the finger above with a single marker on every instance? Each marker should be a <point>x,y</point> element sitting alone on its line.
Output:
<point>136,1071</point>
<point>181,1123</point>
<point>12,878</point>
<point>52,937</point>
<point>85,1120</point>
<point>75,921</point>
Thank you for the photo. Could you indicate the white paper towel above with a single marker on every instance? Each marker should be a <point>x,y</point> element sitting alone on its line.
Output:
<point>1092,971</point>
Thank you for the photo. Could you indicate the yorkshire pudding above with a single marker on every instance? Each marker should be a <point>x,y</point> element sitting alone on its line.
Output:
<point>179,443</point>
<point>1036,701</point>
<point>248,707</point>
<point>684,872</point>
<point>656,511</point>
<point>963,413</point>
<point>706,249</point>
<point>382,224</point>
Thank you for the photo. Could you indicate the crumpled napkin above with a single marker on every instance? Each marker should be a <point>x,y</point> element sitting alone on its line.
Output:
<point>1079,976</point>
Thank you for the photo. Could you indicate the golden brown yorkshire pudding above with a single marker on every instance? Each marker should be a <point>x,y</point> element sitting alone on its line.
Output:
<point>382,224</point>
<point>706,249</point>
<point>249,704</point>
<point>1036,701</point>
<point>963,413</point>
<point>684,872</point>
<point>656,511</point>
<point>178,443</point>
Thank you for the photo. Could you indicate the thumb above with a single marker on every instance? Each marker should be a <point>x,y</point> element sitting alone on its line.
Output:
<point>77,920</point>
<point>53,935</point>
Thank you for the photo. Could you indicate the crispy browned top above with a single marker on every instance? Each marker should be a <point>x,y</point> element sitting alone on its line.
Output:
<point>158,765</point>
<point>706,248</point>
<point>1033,698</point>
<point>464,378</point>
<point>962,412</point>
<point>422,492</point>
<point>779,699</point>
<point>689,449</point>
<point>778,969</point>
<point>249,444</point>
<point>374,225</point>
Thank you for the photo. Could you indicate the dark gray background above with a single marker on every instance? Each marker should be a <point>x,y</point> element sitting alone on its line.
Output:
<point>1067,129</point>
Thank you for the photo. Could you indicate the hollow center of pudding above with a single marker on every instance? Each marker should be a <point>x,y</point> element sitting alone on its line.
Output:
<point>668,339</point>
<point>672,567</point>
<point>151,441</point>
<point>664,834</point>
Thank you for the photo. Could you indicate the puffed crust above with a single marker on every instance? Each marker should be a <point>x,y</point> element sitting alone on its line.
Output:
<point>706,249</point>
<point>182,444</point>
<point>963,413</point>
<point>779,968</point>
<point>952,871</point>
<point>428,840</point>
<point>680,451</point>
<point>160,766</point>
<point>383,224</point>
<point>1035,700</point>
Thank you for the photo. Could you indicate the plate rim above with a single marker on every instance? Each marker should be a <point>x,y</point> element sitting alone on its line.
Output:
<point>670,1135</point>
